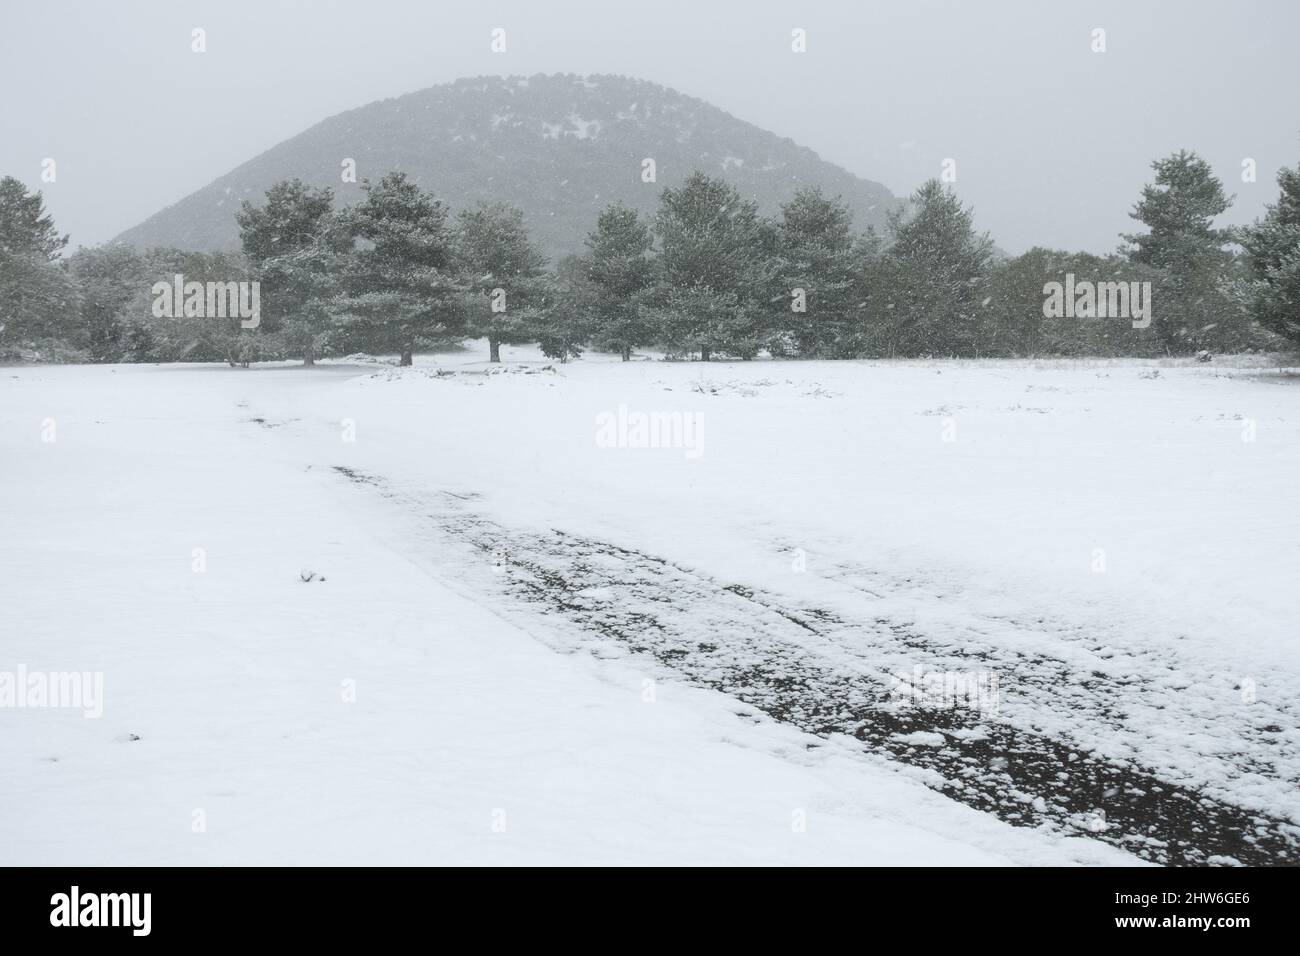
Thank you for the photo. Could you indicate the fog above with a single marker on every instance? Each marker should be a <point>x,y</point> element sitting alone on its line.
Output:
<point>1052,141</point>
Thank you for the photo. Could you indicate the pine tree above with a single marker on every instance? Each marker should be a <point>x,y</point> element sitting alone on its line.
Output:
<point>1273,254</point>
<point>715,268</point>
<point>39,306</point>
<point>293,243</point>
<point>815,278</point>
<point>182,338</point>
<point>861,335</point>
<point>39,299</point>
<point>400,288</point>
<point>1194,306</point>
<point>932,276</point>
<point>502,270</point>
<point>1179,209</point>
<point>25,227</point>
<point>1014,324</point>
<point>110,277</point>
<point>620,270</point>
<point>564,317</point>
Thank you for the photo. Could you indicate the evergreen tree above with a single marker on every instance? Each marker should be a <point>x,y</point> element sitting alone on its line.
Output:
<point>861,334</point>
<point>25,227</point>
<point>1273,254</point>
<point>619,270</point>
<point>816,271</point>
<point>39,305</point>
<point>502,270</point>
<point>39,299</point>
<point>931,277</point>
<point>401,292</point>
<point>565,315</point>
<point>183,338</point>
<point>1194,308</point>
<point>110,277</point>
<point>293,243</point>
<point>715,270</point>
<point>1014,324</point>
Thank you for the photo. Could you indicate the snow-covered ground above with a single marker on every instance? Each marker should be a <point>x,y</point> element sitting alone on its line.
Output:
<point>534,644</point>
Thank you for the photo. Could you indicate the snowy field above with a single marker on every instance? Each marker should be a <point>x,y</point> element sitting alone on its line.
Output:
<point>527,640</point>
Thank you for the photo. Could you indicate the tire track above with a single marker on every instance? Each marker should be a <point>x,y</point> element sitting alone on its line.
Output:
<point>788,663</point>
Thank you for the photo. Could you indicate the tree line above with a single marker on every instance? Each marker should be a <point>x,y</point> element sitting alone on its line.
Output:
<point>705,277</point>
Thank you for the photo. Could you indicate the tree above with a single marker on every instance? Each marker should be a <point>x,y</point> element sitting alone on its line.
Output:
<point>25,227</point>
<point>861,332</point>
<point>293,243</point>
<point>564,315</point>
<point>39,302</point>
<point>716,264</point>
<point>1273,257</point>
<point>1195,308</point>
<point>1014,323</point>
<point>400,290</point>
<point>190,338</point>
<point>815,279</point>
<point>502,270</point>
<point>1179,209</point>
<point>931,277</point>
<point>619,270</point>
<point>111,277</point>
<point>39,299</point>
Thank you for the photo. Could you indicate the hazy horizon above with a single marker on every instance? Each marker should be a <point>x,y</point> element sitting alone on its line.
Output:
<point>1052,141</point>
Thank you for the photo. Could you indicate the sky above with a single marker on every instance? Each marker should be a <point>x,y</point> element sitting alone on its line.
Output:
<point>1052,141</point>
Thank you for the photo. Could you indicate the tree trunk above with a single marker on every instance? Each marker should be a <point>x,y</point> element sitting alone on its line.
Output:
<point>406,359</point>
<point>627,354</point>
<point>704,355</point>
<point>308,357</point>
<point>494,349</point>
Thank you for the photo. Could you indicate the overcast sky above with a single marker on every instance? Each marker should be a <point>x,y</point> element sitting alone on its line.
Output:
<point>1052,141</point>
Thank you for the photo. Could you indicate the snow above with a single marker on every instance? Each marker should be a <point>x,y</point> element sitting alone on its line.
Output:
<point>490,729</point>
<point>583,128</point>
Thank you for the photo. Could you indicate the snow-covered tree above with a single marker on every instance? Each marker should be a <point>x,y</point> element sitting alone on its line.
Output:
<point>39,305</point>
<point>400,291</point>
<point>111,277</point>
<point>25,227</point>
<point>931,277</point>
<point>814,284</point>
<point>715,268</point>
<point>620,270</point>
<point>184,338</point>
<point>293,244</point>
<point>502,271</point>
<point>39,299</point>
<point>1273,252</point>
<point>1013,323</point>
<point>1195,307</point>
<point>565,311</point>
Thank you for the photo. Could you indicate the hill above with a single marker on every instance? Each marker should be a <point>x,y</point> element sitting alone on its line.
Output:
<point>559,146</point>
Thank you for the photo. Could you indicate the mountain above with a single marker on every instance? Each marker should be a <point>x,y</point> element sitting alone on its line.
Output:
<point>560,146</point>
